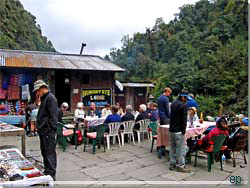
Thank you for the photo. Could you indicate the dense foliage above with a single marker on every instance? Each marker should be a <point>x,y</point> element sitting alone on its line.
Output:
<point>18,29</point>
<point>204,49</point>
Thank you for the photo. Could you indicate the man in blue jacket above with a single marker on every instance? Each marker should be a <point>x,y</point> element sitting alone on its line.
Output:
<point>163,106</point>
<point>191,101</point>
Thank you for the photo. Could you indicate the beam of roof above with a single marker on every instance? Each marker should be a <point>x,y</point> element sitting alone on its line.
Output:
<point>55,60</point>
<point>132,84</point>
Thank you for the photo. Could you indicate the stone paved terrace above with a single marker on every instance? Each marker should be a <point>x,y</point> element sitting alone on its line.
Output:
<point>129,163</point>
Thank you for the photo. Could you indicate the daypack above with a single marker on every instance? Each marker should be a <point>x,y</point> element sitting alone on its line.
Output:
<point>79,138</point>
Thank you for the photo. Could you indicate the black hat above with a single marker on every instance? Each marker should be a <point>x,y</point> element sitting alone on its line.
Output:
<point>184,93</point>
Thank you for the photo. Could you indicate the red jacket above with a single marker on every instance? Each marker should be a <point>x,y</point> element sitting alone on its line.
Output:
<point>214,132</point>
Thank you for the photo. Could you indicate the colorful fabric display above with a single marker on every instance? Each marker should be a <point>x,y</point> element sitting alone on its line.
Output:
<point>3,94</point>
<point>13,93</point>
<point>14,79</point>
<point>22,80</point>
<point>25,92</point>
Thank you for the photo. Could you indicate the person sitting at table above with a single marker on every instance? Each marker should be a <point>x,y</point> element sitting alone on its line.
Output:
<point>233,138</point>
<point>192,115</point>
<point>93,111</point>
<point>79,112</point>
<point>114,117</point>
<point>106,110</point>
<point>128,116</point>
<point>120,111</point>
<point>61,111</point>
<point>206,141</point>
<point>154,112</point>
<point>142,115</point>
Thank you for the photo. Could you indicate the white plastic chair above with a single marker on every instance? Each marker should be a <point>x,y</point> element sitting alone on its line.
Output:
<point>113,132</point>
<point>144,124</point>
<point>128,129</point>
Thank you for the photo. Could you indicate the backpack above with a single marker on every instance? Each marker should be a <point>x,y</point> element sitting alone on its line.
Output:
<point>79,138</point>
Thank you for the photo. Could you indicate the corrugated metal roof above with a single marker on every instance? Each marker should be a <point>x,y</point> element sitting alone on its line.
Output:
<point>138,84</point>
<point>35,59</point>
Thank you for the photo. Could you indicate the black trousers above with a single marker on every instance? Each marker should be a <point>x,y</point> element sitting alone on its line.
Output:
<point>48,150</point>
<point>164,120</point>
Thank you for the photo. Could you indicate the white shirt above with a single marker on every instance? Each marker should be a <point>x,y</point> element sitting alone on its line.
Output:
<point>106,112</point>
<point>79,114</point>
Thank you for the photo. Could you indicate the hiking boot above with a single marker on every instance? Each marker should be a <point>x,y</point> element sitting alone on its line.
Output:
<point>184,170</point>
<point>172,167</point>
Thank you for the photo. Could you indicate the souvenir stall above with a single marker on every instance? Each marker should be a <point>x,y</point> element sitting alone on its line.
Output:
<point>16,170</point>
<point>14,94</point>
<point>15,91</point>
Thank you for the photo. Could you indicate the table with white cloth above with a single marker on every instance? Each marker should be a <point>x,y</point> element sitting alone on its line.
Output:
<point>89,124</point>
<point>94,121</point>
<point>198,129</point>
<point>11,130</point>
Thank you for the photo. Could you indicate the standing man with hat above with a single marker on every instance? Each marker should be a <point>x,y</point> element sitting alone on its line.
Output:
<point>177,130</point>
<point>47,119</point>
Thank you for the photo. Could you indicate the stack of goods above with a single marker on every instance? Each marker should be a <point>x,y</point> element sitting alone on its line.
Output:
<point>13,93</point>
<point>11,108</point>
<point>3,109</point>
<point>13,166</point>
<point>20,108</point>
<point>3,94</point>
<point>14,79</point>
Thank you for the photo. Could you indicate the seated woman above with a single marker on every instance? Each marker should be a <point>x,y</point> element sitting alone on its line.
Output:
<point>142,115</point>
<point>233,138</point>
<point>192,115</point>
<point>79,112</point>
<point>206,141</point>
<point>114,117</point>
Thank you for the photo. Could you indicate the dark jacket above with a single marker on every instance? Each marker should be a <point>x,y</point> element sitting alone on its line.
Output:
<point>142,116</point>
<point>178,117</point>
<point>60,115</point>
<point>128,117</point>
<point>163,107</point>
<point>47,116</point>
<point>233,138</point>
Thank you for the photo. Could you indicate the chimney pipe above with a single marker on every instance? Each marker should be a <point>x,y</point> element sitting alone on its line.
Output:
<point>83,45</point>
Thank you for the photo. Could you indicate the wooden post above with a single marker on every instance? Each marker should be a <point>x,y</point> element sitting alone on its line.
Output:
<point>23,145</point>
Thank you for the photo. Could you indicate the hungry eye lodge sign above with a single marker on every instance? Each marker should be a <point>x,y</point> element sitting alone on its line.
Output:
<point>99,96</point>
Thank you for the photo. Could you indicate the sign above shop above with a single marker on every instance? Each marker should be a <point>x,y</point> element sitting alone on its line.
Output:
<point>99,96</point>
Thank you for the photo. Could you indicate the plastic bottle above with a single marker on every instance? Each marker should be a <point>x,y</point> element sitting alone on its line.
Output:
<point>201,117</point>
<point>223,158</point>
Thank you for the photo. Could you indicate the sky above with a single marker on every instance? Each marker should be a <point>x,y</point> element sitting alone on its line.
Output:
<point>100,24</point>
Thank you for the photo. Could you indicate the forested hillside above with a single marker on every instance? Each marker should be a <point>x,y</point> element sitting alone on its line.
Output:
<point>204,49</point>
<point>18,28</point>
